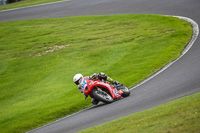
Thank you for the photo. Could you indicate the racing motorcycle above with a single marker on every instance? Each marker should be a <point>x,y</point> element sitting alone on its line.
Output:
<point>102,90</point>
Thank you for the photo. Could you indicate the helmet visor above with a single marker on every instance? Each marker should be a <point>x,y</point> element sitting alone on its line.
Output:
<point>77,82</point>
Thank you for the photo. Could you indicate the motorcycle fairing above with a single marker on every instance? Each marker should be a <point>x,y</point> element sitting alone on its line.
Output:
<point>113,91</point>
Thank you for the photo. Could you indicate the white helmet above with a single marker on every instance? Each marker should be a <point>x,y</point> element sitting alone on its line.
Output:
<point>77,77</point>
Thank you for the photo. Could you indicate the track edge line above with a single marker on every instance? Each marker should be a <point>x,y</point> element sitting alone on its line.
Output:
<point>187,48</point>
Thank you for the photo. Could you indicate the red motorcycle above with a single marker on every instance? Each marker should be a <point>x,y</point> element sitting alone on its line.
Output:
<point>103,91</point>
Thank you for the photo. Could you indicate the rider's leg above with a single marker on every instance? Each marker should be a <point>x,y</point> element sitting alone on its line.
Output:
<point>110,80</point>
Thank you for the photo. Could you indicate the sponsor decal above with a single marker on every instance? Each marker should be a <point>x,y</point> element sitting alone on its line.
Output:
<point>84,85</point>
<point>116,93</point>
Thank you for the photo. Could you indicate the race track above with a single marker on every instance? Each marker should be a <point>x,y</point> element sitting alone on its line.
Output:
<point>180,79</point>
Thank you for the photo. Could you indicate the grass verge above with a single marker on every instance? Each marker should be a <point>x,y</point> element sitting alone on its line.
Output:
<point>26,3</point>
<point>38,59</point>
<point>179,116</point>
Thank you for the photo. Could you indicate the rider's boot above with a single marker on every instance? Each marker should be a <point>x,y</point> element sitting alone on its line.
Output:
<point>114,82</point>
<point>94,101</point>
<point>110,80</point>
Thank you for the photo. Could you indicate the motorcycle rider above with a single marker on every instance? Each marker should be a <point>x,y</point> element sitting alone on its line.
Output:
<point>102,76</point>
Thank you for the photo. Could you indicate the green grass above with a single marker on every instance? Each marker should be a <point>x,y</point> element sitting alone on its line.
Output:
<point>35,90</point>
<point>25,3</point>
<point>179,116</point>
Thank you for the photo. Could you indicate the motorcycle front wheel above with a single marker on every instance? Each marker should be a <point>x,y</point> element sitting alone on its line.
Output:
<point>102,96</point>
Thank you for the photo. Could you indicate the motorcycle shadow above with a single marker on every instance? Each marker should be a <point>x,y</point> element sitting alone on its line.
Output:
<point>104,104</point>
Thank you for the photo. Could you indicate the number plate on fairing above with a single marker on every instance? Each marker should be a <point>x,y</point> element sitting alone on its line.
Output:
<point>83,83</point>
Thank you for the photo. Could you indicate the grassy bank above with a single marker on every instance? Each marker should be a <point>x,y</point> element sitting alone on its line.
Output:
<point>25,3</point>
<point>179,116</point>
<point>38,59</point>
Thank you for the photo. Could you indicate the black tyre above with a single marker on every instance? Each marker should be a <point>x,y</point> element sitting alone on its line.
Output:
<point>126,91</point>
<point>102,96</point>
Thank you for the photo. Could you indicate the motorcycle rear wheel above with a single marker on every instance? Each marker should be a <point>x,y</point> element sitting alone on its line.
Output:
<point>126,91</point>
<point>102,96</point>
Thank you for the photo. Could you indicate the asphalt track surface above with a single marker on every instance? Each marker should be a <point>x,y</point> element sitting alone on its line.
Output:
<point>180,79</point>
